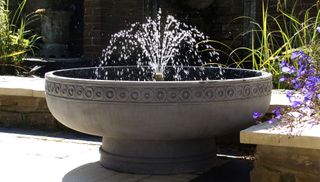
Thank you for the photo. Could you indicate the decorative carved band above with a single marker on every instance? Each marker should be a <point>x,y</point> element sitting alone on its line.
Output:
<point>152,94</point>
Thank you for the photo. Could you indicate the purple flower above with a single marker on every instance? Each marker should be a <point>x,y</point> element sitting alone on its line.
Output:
<point>307,96</point>
<point>304,77</point>
<point>271,121</point>
<point>289,94</point>
<point>283,78</point>
<point>312,81</point>
<point>257,115</point>
<point>318,29</point>
<point>295,55</point>
<point>296,104</point>
<point>296,83</point>
<point>309,60</point>
<point>286,68</point>
<point>277,113</point>
<point>283,63</point>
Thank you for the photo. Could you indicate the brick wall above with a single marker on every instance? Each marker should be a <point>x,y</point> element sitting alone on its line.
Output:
<point>217,20</point>
<point>27,112</point>
<point>280,164</point>
<point>103,18</point>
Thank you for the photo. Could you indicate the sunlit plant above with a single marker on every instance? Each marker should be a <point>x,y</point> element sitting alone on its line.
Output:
<point>302,74</point>
<point>15,40</point>
<point>277,37</point>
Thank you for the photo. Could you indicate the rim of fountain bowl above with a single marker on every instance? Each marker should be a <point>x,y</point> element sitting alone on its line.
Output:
<point>51,76</point>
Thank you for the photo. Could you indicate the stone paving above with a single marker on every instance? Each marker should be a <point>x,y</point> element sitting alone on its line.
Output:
<point>33,156</point>
<point>29,158</point>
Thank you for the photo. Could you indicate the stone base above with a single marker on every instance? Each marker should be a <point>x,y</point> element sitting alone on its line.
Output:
<point>279,164</point>
<point>158,157</point>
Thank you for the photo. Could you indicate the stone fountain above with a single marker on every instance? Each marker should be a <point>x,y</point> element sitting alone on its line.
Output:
<point>156,127</point>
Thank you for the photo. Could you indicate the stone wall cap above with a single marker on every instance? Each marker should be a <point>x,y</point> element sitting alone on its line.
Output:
<point>22,86</point>
<point>305,136</point>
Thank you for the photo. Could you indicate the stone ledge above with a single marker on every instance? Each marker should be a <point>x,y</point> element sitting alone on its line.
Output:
<point>266,134</point>
<point>279,98</point>
<point>22,86</point>
<point>306,136</point>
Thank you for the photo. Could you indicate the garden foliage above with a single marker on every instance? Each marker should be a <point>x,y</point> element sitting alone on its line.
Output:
<point>276,37</point>
<point>15,40</point>
<point>298,64</point>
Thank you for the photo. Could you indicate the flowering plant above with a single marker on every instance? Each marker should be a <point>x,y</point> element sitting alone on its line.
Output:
<point>302,74</point>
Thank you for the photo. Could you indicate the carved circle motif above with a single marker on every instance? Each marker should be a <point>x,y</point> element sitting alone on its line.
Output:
<point>64,90</point>
<point>88,93</point>
<point>98,92</point>
<point>122,94</point>
<point>255,90</point>
<point>79,92</point>
<point>197,94</point>
<point>110,93</point>
<point>231,93</point>
<point>147,94</point>
<point>160,95</point>
<point>135,95</point>
<point>57,88</point>
<point>239,92</point>
<point>209,93</point>
<point>173,95</point>
<point>266,88</point>
<point>221,92</point>
<point>51,87</point>
<point>70,90</point>
<point>185,94</point>
<point>247,91</point>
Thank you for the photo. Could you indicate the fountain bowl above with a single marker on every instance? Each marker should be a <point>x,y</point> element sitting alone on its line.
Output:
<point>157,127</point>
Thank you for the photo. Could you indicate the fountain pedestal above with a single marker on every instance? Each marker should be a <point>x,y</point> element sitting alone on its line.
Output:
<point>158,157</point>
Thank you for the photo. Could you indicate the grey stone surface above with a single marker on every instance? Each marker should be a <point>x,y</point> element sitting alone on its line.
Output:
<point>303,135</point>
<point>157,127</point>
<point>38,159</point>
<point>31,158</point>
<point>38,156</point>
<point>22,86</point>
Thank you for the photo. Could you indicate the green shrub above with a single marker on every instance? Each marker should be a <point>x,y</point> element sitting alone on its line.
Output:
<point>15,41</point>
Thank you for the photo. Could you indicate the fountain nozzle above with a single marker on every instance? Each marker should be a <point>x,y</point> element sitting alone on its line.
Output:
<point>159,77</point>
